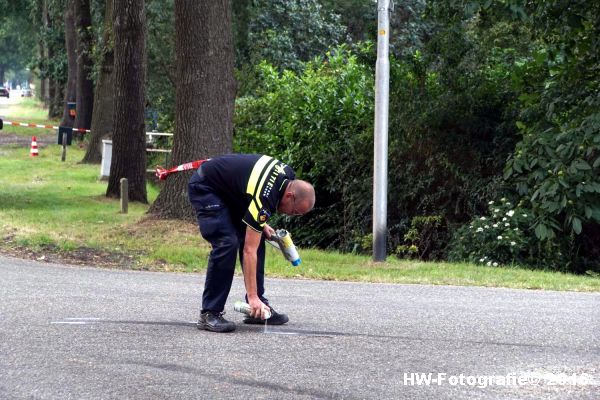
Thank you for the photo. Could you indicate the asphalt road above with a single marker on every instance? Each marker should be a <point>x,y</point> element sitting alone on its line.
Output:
<point>87,333</point>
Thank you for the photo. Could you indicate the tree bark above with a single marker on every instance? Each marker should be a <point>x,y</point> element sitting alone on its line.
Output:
<point>85,86</point>
<point>43,43</point>
<point>102,117</point>
<point>129,137</point>
<point>56,94</point>
<point>205,95</point>
<point>71,46</point>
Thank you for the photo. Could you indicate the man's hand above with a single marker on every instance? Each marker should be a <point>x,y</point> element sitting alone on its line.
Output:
<point>257,307</point>
<point>268,231</point>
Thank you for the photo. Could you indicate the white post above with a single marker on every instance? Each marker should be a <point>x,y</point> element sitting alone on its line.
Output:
<point>382,86</point>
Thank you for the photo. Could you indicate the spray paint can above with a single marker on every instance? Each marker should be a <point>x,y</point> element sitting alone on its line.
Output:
<point>284,239</point>
<point>244,308</point>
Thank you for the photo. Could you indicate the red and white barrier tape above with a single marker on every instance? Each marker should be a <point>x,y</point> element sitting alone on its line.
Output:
<point>162,173</point>
<point>42,126</point>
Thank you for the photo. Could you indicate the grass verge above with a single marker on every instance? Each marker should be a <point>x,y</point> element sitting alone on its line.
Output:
<point>57,211</point>
<point>27,110</point>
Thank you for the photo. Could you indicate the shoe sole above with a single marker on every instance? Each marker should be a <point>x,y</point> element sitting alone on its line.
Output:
<point>255,321</point>
<point>207,327</point>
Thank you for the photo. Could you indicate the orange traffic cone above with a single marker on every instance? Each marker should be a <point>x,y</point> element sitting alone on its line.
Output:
<point>34,149</point>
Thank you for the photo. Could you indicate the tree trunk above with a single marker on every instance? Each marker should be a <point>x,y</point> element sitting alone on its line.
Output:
<point>71,46</point>
<point>43,43</point>
<point>129,137</point>
<point>205,95</point>
<point>85,86</point>
<point>54,107</point>
<point>102,118</point>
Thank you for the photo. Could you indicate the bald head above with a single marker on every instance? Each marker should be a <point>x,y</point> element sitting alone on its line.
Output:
<point>298,199</point>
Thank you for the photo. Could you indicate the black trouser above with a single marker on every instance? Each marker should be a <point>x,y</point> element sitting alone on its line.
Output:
<point>227,239</point>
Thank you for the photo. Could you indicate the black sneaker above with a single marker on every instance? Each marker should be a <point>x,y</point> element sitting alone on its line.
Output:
<point>276,319</point>
<point>212,321</point>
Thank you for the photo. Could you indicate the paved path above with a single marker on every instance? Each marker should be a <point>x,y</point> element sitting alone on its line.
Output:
<point>87,333</point>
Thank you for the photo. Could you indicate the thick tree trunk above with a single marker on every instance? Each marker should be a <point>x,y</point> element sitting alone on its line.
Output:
<point>85,86</point>
<point>71,46</point>
<point>205,95</point>
<point>129,137</point>
<point>102,118</point>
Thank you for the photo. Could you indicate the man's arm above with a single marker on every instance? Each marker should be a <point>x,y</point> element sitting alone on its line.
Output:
<point>251,244</point>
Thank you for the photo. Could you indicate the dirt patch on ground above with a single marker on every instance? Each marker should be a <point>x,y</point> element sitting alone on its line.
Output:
<point>171,232</point>
<point>163,227</point>
<point>79,256</point>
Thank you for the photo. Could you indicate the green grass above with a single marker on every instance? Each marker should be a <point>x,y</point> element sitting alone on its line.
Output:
<point>50,206</point>
<point>28,110</point>
<point>59,208</point>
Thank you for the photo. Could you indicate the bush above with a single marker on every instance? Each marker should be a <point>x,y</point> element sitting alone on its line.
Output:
<point>505,237</point>
<point>426,239</point>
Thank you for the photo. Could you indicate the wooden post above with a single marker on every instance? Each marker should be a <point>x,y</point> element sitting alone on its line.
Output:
<point>124,196</point>
<point>64,145</point>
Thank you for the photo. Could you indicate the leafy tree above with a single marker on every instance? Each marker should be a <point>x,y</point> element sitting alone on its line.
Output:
<point>17,44</point>
<point>285,33</point>
<point>161,82</point>
<point>557,163</point>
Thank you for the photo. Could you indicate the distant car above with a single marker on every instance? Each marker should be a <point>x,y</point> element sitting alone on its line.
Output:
<point>4,92</point>
<point>26,92</point>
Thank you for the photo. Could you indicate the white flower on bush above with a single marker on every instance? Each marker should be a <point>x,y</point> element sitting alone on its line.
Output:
<point>487,227</point>
<point>495,225</point>
<point>504,219</point>
<point>510,213</point>
<point>491,203</point>
<point>481,260</point>
<point>489,264</point>
<point>513,243</point>
<point>480,229</point>
<point>524,215</point>
<point>495,264</point>
<point>500,237</point>
<point>482,218</point>
<point>506,224</point>
<point>497,210</point>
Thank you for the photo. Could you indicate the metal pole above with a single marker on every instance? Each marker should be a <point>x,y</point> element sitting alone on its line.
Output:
<point>380,172</point>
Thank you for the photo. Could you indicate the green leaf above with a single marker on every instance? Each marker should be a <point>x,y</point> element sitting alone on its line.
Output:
<point>581,165</point>
<point>541,231</point>
<point>577,225</point>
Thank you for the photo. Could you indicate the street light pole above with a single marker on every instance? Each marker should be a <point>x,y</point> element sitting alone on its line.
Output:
<point>382,86</point>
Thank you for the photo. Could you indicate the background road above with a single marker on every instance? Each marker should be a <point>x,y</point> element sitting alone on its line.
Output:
<point>87,333</point>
